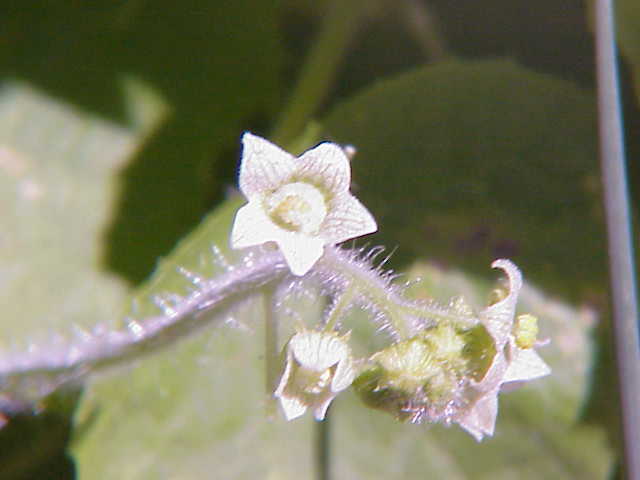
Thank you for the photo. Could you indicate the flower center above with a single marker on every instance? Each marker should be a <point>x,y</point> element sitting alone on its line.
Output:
<point>297,207</point>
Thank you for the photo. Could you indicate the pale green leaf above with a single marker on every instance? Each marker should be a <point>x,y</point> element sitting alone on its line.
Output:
<point>59,167</point>
<point>58,170</point>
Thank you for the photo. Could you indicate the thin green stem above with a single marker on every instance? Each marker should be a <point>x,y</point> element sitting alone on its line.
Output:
<point>341,304</point>
<point>271,349</point>
<point>323,448</point>
<point>319,69</point>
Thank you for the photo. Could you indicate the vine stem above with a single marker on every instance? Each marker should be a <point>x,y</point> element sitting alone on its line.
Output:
<point>37,373</point>
<point>32,374</point>
<point>404,316</point>
<point>621,257</point>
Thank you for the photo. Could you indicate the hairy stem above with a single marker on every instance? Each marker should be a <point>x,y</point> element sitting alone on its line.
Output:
<point>29,375</point>
<point>38,373</point>
<point>405,316</point>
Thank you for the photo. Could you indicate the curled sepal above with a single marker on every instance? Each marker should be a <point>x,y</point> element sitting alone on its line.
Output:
<point>301,204</point>
<point>515,362</point>
<point>318,366</point>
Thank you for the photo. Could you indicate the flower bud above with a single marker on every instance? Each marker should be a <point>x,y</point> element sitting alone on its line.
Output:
<point>424,378</point>
<point>318,366</point>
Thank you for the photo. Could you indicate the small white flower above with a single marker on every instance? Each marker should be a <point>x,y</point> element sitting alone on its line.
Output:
<point>302,203</point>
<point>515,359</point>
<point>318,367</point>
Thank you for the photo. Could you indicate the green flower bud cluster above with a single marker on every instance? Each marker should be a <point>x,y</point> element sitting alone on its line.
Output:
<point>424,378</point>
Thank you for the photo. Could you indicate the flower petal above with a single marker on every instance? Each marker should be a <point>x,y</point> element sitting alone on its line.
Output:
<point>318,350</point>
<point>321,410</point>
<point>264,166</point>
<point>285,375</point>
<point>292,407</point>
<point>498,318</point>
<point>525,364</point>
<point>300,251</point>
<point>494,376</point>
<point>328,166</point>
<point>347,218</point>
<point>252,227</point>
<point>481,419</point>
<point>345,373</point>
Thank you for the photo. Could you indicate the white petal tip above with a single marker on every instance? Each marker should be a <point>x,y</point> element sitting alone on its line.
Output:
<point>321,410</point>
<point>292,407</point>
<point>301,254</point>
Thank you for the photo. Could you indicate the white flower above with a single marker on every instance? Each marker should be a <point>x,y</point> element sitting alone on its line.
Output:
<point>302,203</point>
<point>515,359</point>
<point>318,367</point>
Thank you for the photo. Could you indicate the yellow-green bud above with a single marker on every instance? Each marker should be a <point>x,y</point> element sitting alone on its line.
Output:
<point>525,331</point>
<point>424,378</point>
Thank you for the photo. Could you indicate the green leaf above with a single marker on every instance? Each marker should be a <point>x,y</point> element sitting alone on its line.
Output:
<point>58,169</point>
<point>217,64</point>
<point>470,161</point>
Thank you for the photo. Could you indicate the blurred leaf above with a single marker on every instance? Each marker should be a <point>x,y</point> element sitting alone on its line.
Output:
<point>470,161</point>
<point>216,63</point>
<point>219,65</point>
<point>57,170</point>
<point>58,167</point>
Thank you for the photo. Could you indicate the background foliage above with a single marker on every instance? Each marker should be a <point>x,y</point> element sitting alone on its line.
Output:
<point>475,127</point>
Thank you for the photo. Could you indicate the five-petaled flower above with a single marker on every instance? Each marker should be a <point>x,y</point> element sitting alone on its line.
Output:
<point>302,203</point>
<point>318,366</point>
<point>515,361</point>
